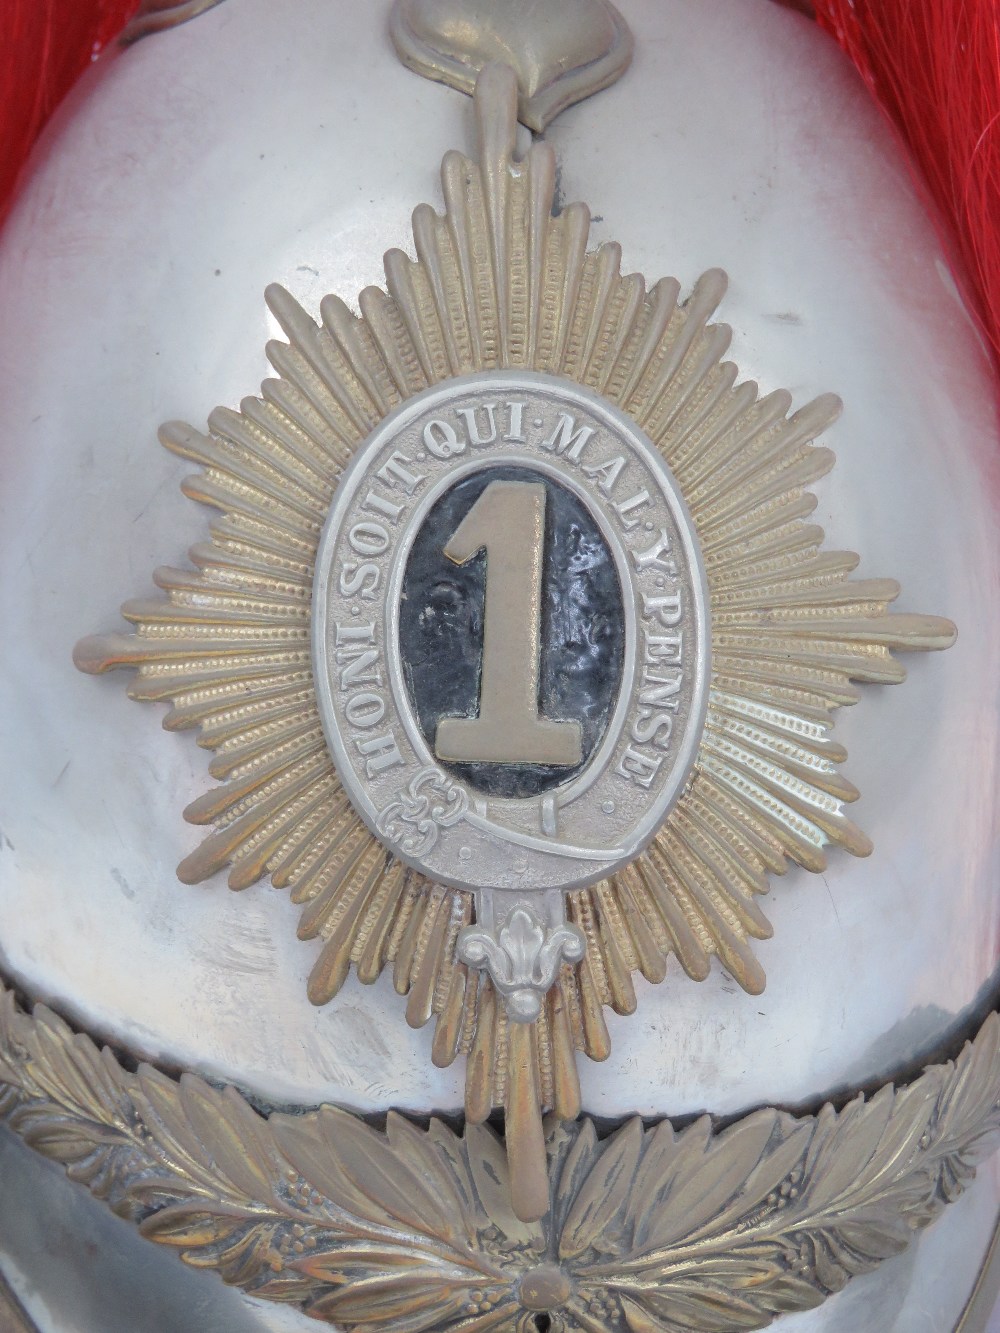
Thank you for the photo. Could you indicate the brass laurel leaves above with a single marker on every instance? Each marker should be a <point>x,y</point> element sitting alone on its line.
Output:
<point>649,1230</point>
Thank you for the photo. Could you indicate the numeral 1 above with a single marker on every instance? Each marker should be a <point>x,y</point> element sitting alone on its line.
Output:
<point>508,520</point>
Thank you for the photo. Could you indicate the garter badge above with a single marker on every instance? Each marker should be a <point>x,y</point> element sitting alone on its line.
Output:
<point>513,641</point>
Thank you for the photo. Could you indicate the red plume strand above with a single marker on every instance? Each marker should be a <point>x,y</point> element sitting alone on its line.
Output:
<point>47,44</point>
<point>934,66</point>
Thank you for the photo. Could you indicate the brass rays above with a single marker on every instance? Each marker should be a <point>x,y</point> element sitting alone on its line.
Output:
<point>499,282</point>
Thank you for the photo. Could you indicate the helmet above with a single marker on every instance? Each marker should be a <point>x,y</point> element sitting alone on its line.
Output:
<point>521,1069</point>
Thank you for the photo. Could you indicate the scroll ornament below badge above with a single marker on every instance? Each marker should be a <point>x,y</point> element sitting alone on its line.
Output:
<point>513,642</point>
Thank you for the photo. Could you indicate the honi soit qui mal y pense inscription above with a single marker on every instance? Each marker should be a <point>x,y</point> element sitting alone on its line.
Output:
<point>530,455</point>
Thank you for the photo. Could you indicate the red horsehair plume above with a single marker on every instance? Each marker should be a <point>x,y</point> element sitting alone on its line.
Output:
<point>934,66</point>
<point>47,44</point>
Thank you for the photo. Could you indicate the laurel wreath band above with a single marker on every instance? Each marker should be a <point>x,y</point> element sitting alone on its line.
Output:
<point>649,1230</point>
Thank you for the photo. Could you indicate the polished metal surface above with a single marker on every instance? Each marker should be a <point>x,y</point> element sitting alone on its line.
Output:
<point>982,1313</point>
<point>838,281</point>
<point>13,1318</point>
<point>158,15</point>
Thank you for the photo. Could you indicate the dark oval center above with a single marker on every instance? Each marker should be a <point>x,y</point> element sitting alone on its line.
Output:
<point>581,628</point>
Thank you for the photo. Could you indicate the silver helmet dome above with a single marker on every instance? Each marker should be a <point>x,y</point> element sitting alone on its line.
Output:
<point>292,148</point>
